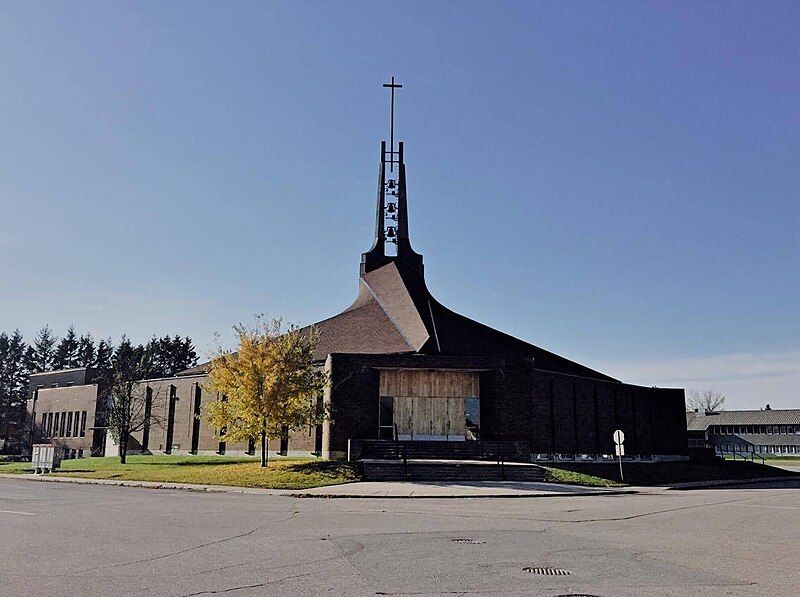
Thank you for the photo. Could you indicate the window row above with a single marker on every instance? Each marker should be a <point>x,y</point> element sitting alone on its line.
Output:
<point>63,424</point>
<point>763,429</point>
<point>759,449</point>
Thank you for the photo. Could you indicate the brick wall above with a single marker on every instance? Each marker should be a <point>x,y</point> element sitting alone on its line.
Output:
<point>575,415</point>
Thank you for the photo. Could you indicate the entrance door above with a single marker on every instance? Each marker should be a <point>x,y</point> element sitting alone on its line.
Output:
<point>426,404</point>
<point>430,418</point>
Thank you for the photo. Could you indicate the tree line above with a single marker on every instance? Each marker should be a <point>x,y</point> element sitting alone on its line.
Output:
<point>163,357</point>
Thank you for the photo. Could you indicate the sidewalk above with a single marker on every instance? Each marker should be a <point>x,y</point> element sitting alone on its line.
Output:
<point>365,489</point>
<point>456,489</point>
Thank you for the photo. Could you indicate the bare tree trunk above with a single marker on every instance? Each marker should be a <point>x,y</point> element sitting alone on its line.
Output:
<point>263,447</point>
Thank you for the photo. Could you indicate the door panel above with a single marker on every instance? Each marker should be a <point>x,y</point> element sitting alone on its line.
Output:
<point>429,404</point>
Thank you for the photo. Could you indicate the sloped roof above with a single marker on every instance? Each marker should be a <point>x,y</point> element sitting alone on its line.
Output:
<point>394,313</point>
<point>701,422</point>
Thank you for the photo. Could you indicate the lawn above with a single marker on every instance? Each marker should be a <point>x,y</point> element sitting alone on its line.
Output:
<point>282,473</point>
<point>559,475</point>
<point>668,473</point>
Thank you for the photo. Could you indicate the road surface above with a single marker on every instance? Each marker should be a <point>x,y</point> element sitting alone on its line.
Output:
<point>68,539</point>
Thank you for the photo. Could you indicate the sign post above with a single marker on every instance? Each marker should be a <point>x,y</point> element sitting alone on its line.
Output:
<point>619,448</point>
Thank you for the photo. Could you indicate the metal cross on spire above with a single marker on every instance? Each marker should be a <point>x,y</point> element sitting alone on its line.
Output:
<point>392,86</point>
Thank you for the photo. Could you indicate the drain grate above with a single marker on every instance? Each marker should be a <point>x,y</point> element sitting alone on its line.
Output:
<point>547,571</point>
<point>469,541</point>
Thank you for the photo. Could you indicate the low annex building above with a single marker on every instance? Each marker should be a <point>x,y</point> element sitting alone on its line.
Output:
<point>764,432</point>
<point>405,368</point>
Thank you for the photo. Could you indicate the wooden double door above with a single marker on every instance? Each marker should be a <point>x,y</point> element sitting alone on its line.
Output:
<point>429,405</point>
<point>427,417</point>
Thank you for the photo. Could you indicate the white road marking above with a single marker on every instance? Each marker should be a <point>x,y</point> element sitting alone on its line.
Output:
<point>15,512</point>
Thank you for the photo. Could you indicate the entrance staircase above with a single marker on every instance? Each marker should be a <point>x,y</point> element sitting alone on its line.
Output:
<point>440,450</point>
<point>384,460</point>
<point>450,470</point>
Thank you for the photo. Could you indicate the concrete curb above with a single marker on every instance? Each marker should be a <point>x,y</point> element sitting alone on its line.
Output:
<point>147,484</point>
<point>505,496</point>
<point>725,482</point>
<point>294,493</point>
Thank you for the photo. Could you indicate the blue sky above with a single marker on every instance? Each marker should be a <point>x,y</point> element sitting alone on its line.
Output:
<point>617,183</point>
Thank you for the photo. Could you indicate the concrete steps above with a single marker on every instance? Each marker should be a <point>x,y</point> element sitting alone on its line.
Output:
<point>450,470</point>
<point>440,450</point>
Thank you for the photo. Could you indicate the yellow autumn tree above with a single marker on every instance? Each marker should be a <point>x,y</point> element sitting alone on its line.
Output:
<point>269,384</point>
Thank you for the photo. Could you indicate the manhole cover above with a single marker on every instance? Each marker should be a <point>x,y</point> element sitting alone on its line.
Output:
<point>469,541</point>
<point>546,570</point>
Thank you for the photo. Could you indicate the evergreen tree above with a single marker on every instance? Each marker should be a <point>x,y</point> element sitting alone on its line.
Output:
<point>40,356</point>
<point>169,356</point>
<point>18,374</point>
<point>66,353</point>
<point>102,361</point>
<point>13,385</point>
<point>126,353</point>
<point>86,351</point>
<point>187,355</point>
<point>5,389</point>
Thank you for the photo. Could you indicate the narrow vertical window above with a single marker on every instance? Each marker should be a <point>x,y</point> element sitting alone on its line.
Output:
<point>83,424</point>
<point>55,424</point>
<point>284,448</point>
<point>148,407</point>
<point>473,415</point>
<point>196,419</point>
<point>76,424</point>
<point>386,418</point>
<point>222,447</point>
<point>170,419</point>
<point>69,424</point>
<point>43,425</point>
<point>49,424</point>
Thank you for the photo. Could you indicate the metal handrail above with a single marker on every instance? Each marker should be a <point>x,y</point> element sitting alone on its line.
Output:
<point>751,456</point>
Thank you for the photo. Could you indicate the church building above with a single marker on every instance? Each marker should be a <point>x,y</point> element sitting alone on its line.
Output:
<point>407,371</point>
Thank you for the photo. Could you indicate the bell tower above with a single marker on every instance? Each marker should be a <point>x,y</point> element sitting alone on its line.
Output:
<point>391,216</point>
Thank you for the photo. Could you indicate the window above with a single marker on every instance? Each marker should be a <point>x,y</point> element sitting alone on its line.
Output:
<point>783,429</point>
<point>284,447</point>
<point>43,425</point>
<point>55,424</point>
<point>789,429</point>
<point>69,424</point>
<point>473,415</point>
<point>83,424</point>
<point>386,417</point>
<point>76,424</point>
<point>49,424</point>
<point>63,424</point>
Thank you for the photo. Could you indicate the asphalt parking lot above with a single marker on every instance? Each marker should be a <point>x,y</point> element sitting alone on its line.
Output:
<point>68,539</point>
